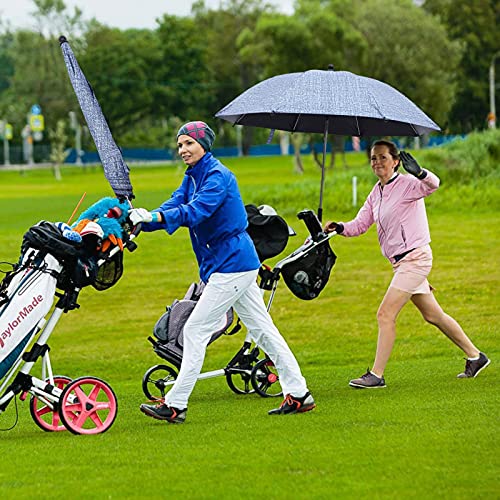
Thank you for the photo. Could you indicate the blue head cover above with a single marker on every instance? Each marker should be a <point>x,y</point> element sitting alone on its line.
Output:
<point>109,213</point>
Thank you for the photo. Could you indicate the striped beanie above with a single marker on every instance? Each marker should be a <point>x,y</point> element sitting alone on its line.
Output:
<point>200,132</point>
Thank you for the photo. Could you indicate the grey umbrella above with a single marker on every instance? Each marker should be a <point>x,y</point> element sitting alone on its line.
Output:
<point>328,102</point>
<point>115,168</point>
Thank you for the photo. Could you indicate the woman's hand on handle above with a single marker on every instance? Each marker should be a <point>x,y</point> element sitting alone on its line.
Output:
<point>330,227</point>
<point>139,215</point>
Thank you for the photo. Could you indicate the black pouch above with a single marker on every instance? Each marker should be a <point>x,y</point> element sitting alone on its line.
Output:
<point>307,276</point>
<point>109,272</point>
<point>84,272</point>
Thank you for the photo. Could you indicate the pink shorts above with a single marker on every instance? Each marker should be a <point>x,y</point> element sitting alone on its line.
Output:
<point>410,273</point>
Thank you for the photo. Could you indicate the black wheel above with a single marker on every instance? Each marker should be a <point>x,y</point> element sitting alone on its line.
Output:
<point>155,383</point>
<point>265,379</point>
<point>239,380</point>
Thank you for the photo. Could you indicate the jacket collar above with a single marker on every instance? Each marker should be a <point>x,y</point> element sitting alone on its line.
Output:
<point>391,180</point>
<point>198,167</point>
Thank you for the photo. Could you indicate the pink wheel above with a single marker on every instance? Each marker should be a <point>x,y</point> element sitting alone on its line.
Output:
<point>44,416</point>
<point>88,406</point>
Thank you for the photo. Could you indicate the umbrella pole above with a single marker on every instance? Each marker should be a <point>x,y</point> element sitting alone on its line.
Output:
<point>325,141</point>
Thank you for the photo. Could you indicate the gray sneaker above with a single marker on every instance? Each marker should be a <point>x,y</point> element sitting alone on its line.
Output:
<point>368,381</point>
<point>473,367</point>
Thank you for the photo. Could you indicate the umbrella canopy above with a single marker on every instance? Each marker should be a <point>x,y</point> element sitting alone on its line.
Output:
<point>115,168</point>
<point>353,105</point>
<point>328,102</point>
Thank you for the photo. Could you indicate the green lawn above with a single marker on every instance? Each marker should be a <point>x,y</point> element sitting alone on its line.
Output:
<point>428,435</point>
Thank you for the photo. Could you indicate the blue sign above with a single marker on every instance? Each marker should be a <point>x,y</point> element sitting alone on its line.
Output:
<point>36,109</point>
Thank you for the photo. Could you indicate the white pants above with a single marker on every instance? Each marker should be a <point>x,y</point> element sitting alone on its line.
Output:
<point>240,291</point>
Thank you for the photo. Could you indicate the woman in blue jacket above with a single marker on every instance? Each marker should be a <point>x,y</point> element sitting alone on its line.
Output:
<point>208,202</point>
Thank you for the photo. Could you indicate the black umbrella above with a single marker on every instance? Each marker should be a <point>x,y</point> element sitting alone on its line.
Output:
<point>328,102</point>
<point>115,168</point>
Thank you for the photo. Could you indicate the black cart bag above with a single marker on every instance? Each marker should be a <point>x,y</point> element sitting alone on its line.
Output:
<point>269,231</point>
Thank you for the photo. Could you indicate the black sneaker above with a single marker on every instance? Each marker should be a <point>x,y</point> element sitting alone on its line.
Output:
<point>474,366</point>
<point>292,404</point>
<point>164,412</point>
<point>368,381</point>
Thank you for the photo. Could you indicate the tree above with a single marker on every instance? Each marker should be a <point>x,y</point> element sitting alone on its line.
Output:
<point>231,73</point>
<point>474,24</point>
<point>59,153</point>
<point>37,73</point>
<point>319,33</point>
<point>146,80</point>
<point>6,62</point>
<point>407,50</point>
<point>187,85</point>
<point>315,36</point>
<point>122,67</point>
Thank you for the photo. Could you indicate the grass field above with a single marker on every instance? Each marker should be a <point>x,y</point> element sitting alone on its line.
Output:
<point>428,435</point>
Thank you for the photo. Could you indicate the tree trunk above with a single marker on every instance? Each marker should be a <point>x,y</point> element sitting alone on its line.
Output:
<point>338,146</point>
<point>297,140</point>
<point>57,171</point>
<point>247,140</point>
<point>314,152</point>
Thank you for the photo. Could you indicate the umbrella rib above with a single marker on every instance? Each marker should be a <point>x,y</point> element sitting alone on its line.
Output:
<point>414,130</point>
<point>237,122</point>
<point>357,126</point>
<point>296,122</point>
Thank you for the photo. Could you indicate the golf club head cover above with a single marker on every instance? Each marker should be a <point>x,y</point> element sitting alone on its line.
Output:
<point>68,233</point>
<point>411,165</point>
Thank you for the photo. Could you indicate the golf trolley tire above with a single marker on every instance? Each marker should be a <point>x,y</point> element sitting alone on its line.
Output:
<point>265,380</point>
<point>153,381</point>
<point>88,405</point>
<point>239,383</point>
<point>46,418</point>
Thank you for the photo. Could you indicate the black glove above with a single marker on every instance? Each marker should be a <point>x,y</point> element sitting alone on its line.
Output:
<point>333,226</point>
<point>411,165</point>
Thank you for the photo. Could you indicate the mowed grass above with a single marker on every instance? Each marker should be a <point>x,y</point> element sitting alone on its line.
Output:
<point>428,435</point>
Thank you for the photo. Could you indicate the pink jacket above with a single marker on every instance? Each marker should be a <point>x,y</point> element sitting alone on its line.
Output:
<point>398,209</point>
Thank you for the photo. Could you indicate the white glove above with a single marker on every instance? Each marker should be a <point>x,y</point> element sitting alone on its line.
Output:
<point>138,215</point>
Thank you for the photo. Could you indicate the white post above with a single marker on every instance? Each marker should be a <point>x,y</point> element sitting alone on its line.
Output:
<point>284,143</point>
<point>74,125</point>
<point>78,144</point>
<point>29,141</point>
<point>27,145</point>
<point>239,139</point>
<point>354,191</point>
<point>3,132</point>
<point>6,153</point>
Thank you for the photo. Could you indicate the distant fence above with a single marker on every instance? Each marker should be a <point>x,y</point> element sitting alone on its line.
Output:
<point>41,152</point>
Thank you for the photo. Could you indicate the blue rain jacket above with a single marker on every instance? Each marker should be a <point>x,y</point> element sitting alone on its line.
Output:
<point>209,203</point>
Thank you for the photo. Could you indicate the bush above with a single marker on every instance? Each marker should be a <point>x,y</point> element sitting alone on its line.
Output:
<point>475,157</point>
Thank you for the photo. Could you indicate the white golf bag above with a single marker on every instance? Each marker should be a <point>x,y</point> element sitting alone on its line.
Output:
<point>24,303</point>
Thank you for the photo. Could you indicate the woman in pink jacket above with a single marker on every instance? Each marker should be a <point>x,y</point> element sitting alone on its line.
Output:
<point>396,205</point>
